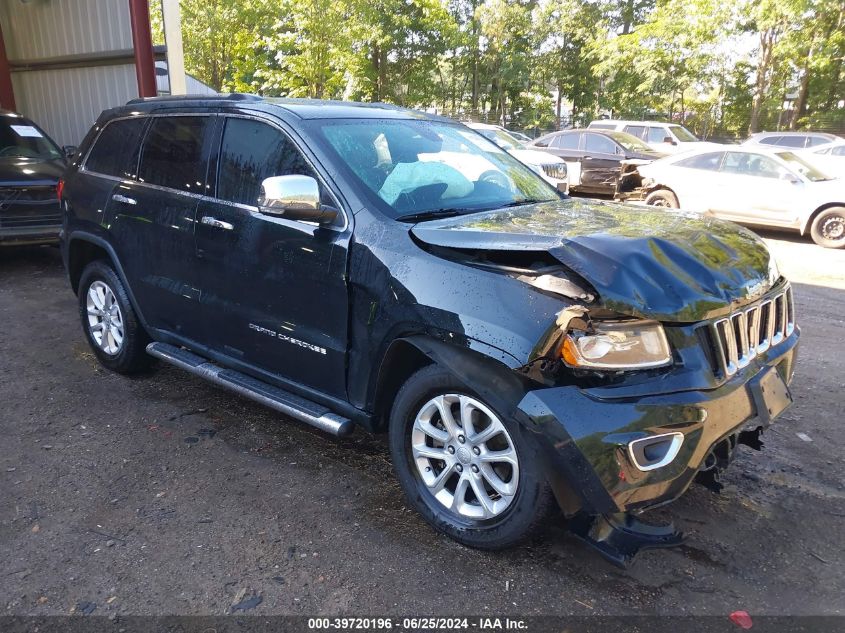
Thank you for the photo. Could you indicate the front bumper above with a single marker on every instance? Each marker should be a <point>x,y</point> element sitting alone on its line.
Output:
<point>586,438</point>
<point>30,222</point>
<point>24,236</point>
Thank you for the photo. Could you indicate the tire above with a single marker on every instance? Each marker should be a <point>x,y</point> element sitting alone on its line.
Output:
<point>505,519</point>
<point>662,198</point>
<point>828,228</point>
<point>110,324</point>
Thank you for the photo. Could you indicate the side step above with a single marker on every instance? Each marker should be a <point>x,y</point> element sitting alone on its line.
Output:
<point>299,408</point>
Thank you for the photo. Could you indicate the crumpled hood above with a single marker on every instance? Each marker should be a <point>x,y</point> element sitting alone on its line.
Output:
<point>653,263</point>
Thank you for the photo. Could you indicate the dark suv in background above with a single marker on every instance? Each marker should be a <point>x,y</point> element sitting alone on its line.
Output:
<point>364,264</point>
<point>30,167</point>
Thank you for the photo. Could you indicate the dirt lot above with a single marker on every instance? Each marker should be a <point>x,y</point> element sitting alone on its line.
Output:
<point>164,495</point>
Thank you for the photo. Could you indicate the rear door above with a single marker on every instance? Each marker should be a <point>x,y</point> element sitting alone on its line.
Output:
<point>153,217</point>
<point>274,290</point>
<point>112,158</point>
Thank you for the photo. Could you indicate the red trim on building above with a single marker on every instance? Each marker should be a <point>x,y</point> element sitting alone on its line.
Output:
<point>142,39</point>
<point>7,91</point>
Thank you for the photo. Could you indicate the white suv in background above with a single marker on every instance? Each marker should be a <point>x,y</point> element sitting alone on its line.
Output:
<point>667,138</point>
<point>552,168</point>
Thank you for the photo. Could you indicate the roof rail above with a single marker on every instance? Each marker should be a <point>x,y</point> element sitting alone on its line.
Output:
<point>232,96</point>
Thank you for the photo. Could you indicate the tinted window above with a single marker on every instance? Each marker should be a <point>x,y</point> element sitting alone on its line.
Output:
<point>595,143</point>
<point>770,140</point>
<point>173,154</point>
<point>757,165</point>
<point>603,126</point>
<point>568,141</point>
<point>250,152</point>
<point>709,161</point>
<point>115,153</point>
<point>636,130</point>
<point>656,134</point>
<point>792,141</point>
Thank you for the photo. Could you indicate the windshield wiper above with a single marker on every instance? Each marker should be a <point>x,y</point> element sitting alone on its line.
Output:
<point>432,214</point>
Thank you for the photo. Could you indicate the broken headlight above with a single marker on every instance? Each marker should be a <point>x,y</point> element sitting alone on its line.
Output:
<point>617,345</point>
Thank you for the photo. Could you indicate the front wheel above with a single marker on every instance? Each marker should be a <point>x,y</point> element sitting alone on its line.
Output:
<point>662,198</point>
<point>109,322</point>
<point>828,228</point>
<point>465,468</point>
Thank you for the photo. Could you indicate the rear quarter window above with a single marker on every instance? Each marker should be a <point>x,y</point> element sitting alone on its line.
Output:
<point>115,152</point>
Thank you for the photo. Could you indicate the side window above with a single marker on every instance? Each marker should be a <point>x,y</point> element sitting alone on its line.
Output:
<point>814,141</point>
<point>115,152</point>
<point>569,141</point>
<point>173,154</point>
<point>636,130</point>
<point>657,134</point>
<point>250,152</point>
<point>709,161</point>
<point>598,144</point>
<point>793,141</point>
<point>770,140</point>
<point>839,150</point>
<point>757,165</point>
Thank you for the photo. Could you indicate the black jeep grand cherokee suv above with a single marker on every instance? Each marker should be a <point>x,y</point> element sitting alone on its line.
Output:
<point>365,264</point>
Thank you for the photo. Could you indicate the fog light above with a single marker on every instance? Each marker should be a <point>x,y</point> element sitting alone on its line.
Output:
<point>655,451</point>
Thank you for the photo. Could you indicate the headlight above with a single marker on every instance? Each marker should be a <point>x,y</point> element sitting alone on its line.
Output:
<point>618,345</point>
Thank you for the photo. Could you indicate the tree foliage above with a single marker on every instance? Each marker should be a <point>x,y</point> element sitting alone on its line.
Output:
<point>720,66</point>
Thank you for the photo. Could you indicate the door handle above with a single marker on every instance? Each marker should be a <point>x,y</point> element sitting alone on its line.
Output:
<point>125,200</point>
<point>218,224</point>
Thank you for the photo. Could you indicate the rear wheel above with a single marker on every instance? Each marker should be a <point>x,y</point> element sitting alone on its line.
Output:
<point>109,322</point>
<point>464,467</point>
<point>828,228</point>
<point>662,198</point>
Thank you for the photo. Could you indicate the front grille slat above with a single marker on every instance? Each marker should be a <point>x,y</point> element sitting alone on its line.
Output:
<point>740,337</point>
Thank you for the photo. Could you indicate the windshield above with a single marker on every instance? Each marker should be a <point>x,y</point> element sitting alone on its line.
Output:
<point>682,134</point>
<point>415,167</point>
<point>19,138</point>
<point>629,142</point>
<point>501,138</point>
<point>802,167</point>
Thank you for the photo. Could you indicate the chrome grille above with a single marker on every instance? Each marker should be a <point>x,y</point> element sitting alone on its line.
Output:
<point>751,331</point>
<point>555,170</point>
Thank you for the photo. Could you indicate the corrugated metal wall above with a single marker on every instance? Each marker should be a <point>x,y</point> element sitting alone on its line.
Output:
<point>65,102</point>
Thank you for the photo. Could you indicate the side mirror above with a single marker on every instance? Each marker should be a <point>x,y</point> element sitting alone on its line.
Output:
<point>670,140</point>
<point>790,178</point>
<point>294,198</point>
<point>70,151</point>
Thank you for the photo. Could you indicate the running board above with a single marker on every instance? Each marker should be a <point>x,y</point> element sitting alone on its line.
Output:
<point>298,408</point>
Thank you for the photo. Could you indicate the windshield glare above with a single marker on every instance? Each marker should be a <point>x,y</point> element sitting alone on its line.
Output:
<point>501,138</point>
<point>682,134</point>
<point>629,142</point>
<point>802,167</point>
<point>19,138</point>
<point>413,167</point>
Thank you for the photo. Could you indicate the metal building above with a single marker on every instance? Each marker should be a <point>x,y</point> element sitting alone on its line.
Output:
<point>64,61</point>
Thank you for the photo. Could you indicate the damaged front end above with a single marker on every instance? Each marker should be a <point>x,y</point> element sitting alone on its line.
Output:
<point>674,343</point>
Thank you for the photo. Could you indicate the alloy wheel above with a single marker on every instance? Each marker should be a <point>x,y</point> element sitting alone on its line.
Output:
<point>465,456</point>
<point>105,321</point>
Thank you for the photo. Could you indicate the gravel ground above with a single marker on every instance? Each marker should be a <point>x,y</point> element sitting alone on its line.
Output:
<point>164,495</point>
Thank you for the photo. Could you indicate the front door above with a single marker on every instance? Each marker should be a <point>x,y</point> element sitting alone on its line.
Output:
<point>601,164</point>
<point>274,290</point>
<point>759,190</point>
